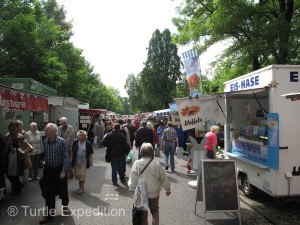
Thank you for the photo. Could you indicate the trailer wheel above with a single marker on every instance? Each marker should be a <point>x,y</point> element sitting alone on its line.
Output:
<point>247,188</point>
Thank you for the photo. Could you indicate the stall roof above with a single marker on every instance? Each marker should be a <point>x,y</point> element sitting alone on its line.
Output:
<point>67,102</point>
<point>293,95</point>
<point>93,111</point>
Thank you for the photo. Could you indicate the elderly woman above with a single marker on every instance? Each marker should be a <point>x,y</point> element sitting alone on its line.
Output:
<point>155,137</point>
<point>211,142</point>
<point>13,160</point>
<point>156,179</point>
<point>82,158</point>
<point>33,137</point>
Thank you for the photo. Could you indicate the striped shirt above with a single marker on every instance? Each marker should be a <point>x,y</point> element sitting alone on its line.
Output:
<point>56,154</point>
<point>170,134</point>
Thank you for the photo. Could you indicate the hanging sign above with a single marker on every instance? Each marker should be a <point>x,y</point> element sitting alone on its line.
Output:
<point>189,112</point>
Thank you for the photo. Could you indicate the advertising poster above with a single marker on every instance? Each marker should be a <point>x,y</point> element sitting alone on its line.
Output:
<point>192,69</point>
<point>194,112</point>
<point>189,112</point>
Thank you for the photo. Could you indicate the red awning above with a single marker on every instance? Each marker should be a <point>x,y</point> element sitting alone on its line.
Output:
<point>93,111</point>
<point>18,100</point>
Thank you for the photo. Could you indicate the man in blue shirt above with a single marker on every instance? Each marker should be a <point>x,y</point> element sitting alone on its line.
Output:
<point>55,171</point>
<point>170,138</point>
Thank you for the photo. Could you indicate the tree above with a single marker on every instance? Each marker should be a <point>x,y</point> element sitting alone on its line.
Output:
<point>259,33</point>
<point>135,93</point>
<point>35,43</point>
<point>161,71</point>
<point>126,105</point>
<point>182,87</point>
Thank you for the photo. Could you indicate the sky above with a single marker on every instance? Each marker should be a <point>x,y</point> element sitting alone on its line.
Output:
<point>114,34</point>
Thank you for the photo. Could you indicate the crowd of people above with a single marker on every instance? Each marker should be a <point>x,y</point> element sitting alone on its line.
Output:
<point>62,151</point>
<point>22,153</point>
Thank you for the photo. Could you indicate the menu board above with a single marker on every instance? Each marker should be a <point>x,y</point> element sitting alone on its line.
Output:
<point>220,190</point>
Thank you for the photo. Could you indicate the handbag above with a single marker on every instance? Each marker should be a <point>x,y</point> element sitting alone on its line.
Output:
<point>107,157</point>
<point>137,216</point>
<point>70,173</point>
<point>25,156</point>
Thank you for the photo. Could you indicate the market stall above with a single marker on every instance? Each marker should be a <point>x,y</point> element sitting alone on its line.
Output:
<point>262,135</point>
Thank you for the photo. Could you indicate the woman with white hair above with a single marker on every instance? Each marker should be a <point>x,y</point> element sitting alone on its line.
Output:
<point>82,158</point>
<point>155,137</point>
<point>33,137</point>
<point>155,178</point>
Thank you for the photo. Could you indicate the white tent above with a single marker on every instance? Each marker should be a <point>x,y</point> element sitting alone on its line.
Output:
<point>163,112</point>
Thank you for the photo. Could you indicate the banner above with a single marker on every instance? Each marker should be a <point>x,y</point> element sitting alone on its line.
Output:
<point>194,112</point>
<point>17,100</point>
<point>192,69</point>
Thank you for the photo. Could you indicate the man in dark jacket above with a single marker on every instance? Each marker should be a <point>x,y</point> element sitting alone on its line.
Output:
<point>143,134</point>
<point>116,149</point>
<point>131,130</point>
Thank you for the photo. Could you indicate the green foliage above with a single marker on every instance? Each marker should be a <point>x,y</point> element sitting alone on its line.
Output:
<point>134,92</point>
<point>161,71</point>
<point>182,87</point>
<point>35,43</point>
<point>126,105</point>
<point>258,33</point>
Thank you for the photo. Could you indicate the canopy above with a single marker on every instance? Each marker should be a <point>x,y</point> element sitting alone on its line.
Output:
<point>93,111</point>
<point>11,99</point>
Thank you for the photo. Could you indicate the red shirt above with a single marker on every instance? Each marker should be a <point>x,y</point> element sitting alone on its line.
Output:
<point>155,137</point>
<point>136,124</point>
<point>212,140</point>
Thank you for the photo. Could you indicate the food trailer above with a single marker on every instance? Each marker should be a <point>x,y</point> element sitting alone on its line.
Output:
<point>262,132</point>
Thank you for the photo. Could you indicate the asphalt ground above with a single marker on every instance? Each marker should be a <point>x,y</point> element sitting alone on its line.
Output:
<point>104,203</point>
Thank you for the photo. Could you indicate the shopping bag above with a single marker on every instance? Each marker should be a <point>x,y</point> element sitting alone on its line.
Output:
<point>129,157</point>
<point>137,216</point>
<point>140,197</point>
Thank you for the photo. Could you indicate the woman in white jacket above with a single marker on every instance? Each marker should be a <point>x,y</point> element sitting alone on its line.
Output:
<point>156,179</point>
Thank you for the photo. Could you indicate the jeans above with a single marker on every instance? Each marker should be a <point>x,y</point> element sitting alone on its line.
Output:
<point>210,154</point>
<point>117,167</point>
<point>170,150</point>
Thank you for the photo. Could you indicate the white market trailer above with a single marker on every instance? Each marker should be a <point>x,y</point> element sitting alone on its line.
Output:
<point>262,133</point>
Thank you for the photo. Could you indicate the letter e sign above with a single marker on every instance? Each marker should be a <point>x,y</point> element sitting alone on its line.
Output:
<point>294,77</point>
